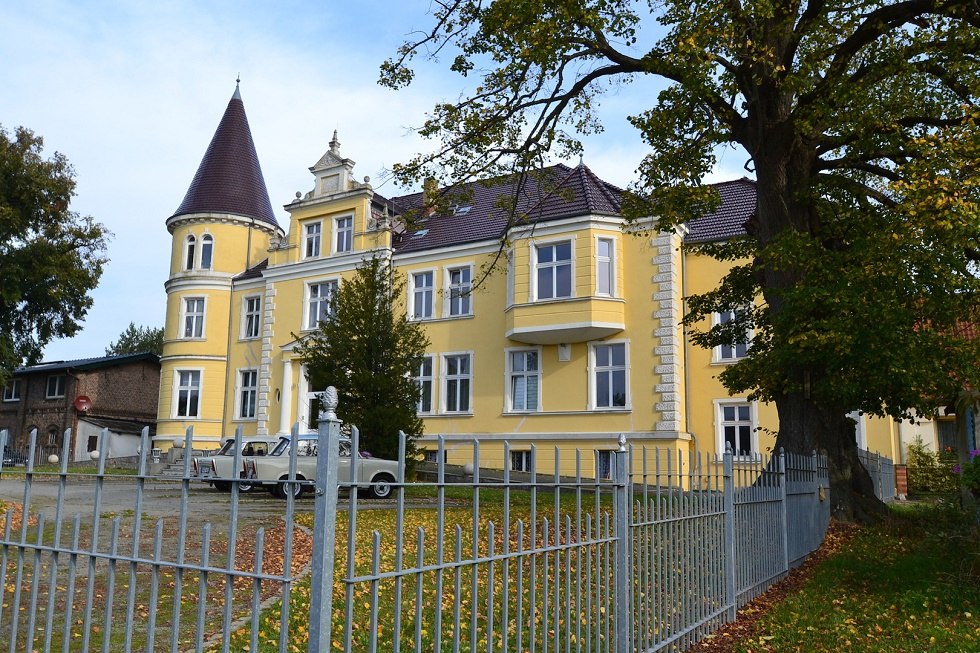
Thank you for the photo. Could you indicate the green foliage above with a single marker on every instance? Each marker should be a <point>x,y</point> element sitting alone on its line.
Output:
<point>931,472</point>
<point>970,472</point>
<point>137,339</point>
<point>50,257</point>
<point>860,123</point>
<point>371,352</point>
<point>911,583</point>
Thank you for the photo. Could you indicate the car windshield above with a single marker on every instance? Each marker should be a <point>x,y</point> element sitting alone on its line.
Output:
<point>281,447</point>
<point>228,448</point>
<point>308,447</point>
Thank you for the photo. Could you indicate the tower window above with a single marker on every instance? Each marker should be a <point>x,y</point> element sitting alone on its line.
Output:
<point>207,247</point>
<point>189,247</point>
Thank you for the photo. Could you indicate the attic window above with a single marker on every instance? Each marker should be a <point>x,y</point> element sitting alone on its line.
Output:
<point>463,210</point>
<point>420,233</point>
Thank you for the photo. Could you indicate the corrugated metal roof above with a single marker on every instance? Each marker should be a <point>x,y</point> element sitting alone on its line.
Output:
<point>87,363</point>
<point>229,179</point>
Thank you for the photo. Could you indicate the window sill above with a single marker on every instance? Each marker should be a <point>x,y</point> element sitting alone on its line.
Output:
<point>448,414</point>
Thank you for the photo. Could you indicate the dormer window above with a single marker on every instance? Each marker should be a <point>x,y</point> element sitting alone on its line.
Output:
<point>311,239</point>
<point>345,234</point>
<point>207,248</point>
<point>189,248</point>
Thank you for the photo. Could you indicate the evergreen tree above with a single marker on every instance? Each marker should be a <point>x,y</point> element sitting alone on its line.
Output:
<point>51,258</point>
<point>860,122</point>
<point>371,352</point>
<point>137,339</point>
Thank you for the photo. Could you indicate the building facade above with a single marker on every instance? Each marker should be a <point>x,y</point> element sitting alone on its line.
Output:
<point>87,395</point>
<point>558,330</point>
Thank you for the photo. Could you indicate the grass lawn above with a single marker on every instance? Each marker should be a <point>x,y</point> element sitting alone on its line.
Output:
<point>911,583</point>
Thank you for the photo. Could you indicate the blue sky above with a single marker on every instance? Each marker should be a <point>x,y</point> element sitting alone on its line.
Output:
<point>131,92</point>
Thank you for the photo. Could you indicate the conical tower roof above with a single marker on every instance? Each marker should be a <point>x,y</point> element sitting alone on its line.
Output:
<point>229,179</point>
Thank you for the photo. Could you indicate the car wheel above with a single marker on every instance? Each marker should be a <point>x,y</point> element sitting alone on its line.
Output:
<point>283,489</point>
<point>381,486</point>
<point>245,485</point>
<point>222,486</point>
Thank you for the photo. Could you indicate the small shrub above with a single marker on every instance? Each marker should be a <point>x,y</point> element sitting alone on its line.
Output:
<point>931,472</point>
<point>970,472</point>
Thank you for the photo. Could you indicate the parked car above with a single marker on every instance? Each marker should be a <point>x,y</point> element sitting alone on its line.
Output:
<point>13,458</point>
<point>273,471</point>
<point>219,466</point>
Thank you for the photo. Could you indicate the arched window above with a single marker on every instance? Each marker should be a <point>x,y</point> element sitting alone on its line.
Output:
<point>52,436</point>
<point>207,247</point>
<point>189,252</point>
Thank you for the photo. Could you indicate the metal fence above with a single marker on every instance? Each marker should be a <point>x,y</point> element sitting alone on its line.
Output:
<point>652,559</point>
<point>882,472</point>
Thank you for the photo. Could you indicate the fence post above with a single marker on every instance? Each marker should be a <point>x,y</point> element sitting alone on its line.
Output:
<point>730,589</point>
<point>784,506</point>
<point>324,523</point>
<point>3,446</point>
<point>623,560</point>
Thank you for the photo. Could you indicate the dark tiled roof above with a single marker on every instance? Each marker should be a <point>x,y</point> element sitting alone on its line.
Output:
<point>552,194</point>
<point>253,272</point>
<point>736,208</point>
<point>229,179</point>
<point>88,363</point>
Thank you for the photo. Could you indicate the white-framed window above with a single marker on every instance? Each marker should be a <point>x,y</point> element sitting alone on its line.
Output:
<point>610,367</point>
<point>423,294</point>
<point>311,239</point>
<point>726,353</point>
<point>523,380</point>
<point>251,317</point>
<point>605,267</point>
<point>187,393</point>
<point>521,461</point>
<point>457,385</point>
<point>320,302</point>
<point>344,230</point>
<point>55,388</point>
<point>432,455</point>
<point>603,465</point>
<point>190,246</point>
<point>207,251</point>
<point>193,317</point>
<point>248,391</point>
<point>553,270</point>
<point>460,282</point>
<point>425,379</point>
<point>735,423</point>
<point>11,391</point>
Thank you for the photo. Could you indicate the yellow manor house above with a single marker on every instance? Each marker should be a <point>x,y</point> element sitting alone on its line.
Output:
<point>575,341</point>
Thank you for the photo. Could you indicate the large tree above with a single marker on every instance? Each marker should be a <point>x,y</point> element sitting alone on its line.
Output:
<point>50,256</point>
<point>371,352</point>
<point>136,340</point>
<point>860,122</point>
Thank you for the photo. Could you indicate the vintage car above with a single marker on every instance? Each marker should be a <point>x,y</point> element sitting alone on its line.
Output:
<point>209,469</point>
<point>376,474</point>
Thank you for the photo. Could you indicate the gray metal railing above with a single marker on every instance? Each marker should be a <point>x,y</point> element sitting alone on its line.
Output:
<point>652,559</point>
<point>882,472</point>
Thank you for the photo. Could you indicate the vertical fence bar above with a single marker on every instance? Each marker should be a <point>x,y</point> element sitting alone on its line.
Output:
<point>729,480</point>
<point>784,509</point>
<point>324,523</point>
<point>623,564</point>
